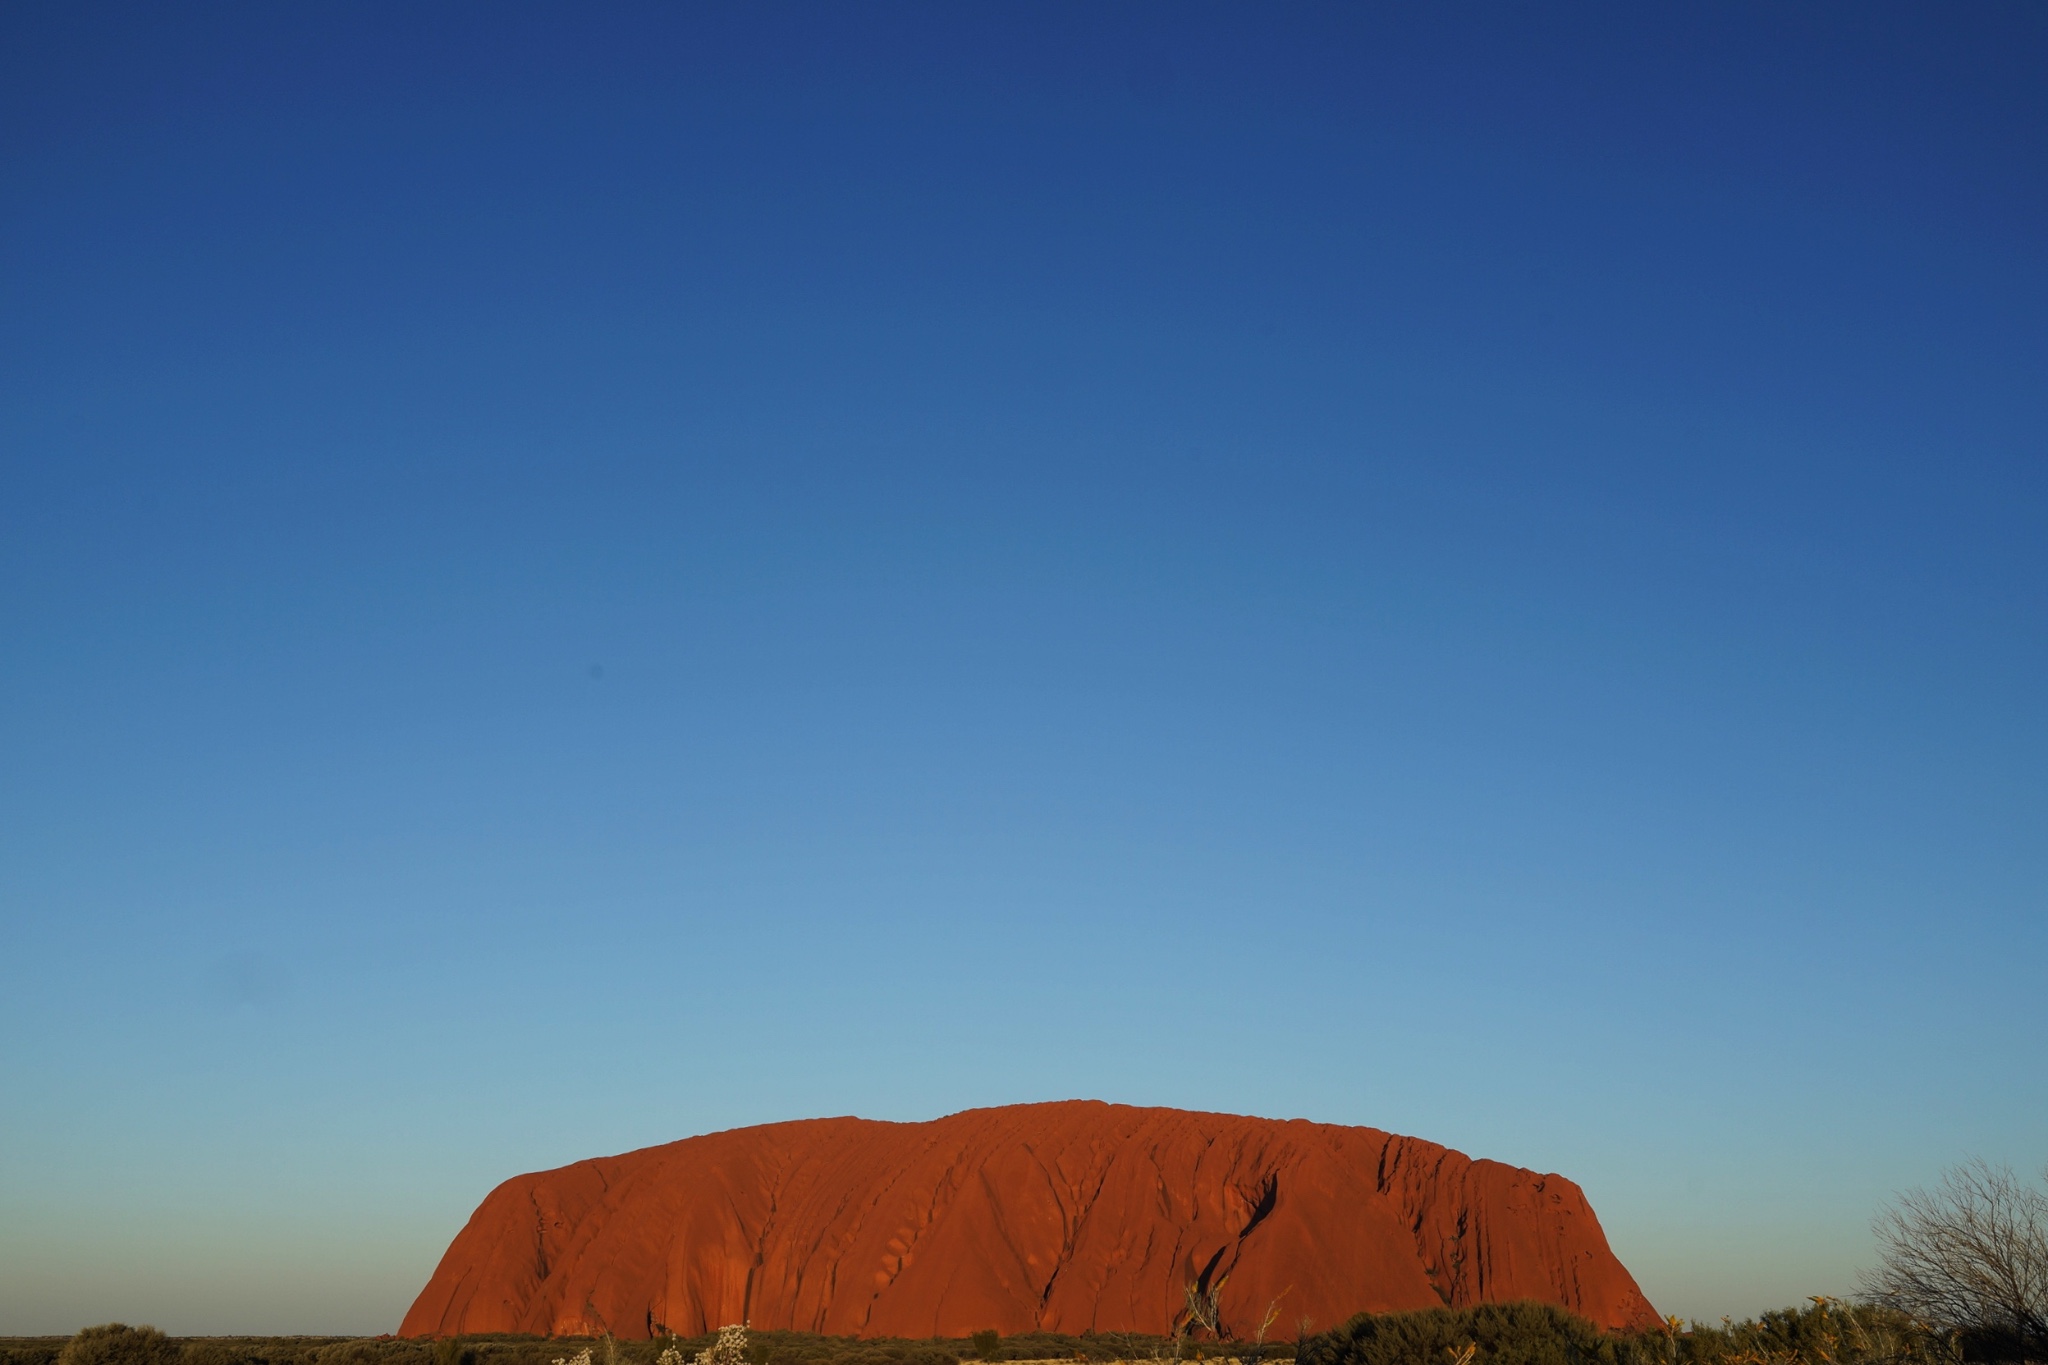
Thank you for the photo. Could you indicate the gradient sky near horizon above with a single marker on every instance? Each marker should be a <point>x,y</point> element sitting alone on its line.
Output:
<point>577,575</point>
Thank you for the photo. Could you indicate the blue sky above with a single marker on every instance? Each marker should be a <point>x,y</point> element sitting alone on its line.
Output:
<point>574,576</point>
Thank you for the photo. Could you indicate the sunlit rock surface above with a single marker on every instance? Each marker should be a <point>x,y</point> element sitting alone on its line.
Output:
<point>1069,1217</point>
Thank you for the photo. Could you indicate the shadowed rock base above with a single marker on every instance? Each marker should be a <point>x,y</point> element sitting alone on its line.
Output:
<point>1069,1217</point>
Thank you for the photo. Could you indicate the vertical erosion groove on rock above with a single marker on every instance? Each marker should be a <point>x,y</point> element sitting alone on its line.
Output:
<point>1068,1217</point>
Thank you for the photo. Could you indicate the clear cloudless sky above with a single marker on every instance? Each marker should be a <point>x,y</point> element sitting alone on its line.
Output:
<point>577,575</point>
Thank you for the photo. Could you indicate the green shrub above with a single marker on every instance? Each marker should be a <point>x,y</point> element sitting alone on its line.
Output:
<point>1827,1332</point>
<point>1500,1333</point>
<point>375,1351</point>
<point>985,1343</point>
<point>116,1343</point>
<point>216,1353</point>
<point>224,1351</point>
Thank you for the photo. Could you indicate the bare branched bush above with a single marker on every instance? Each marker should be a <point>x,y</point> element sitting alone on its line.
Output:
<point>1272,1315</point>
<point>1970,1255</point>
<point>1205,1307</point>
<point>729,1349</point>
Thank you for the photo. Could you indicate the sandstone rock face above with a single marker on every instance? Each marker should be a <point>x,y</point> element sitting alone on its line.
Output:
<point>1068,1217</point>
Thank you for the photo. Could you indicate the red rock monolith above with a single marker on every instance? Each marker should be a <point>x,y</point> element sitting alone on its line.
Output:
<point>1068,1217</point>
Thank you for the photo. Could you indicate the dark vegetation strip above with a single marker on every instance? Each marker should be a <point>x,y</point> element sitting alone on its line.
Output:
<point>763,1348</point>
<point>1827,1332</point>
